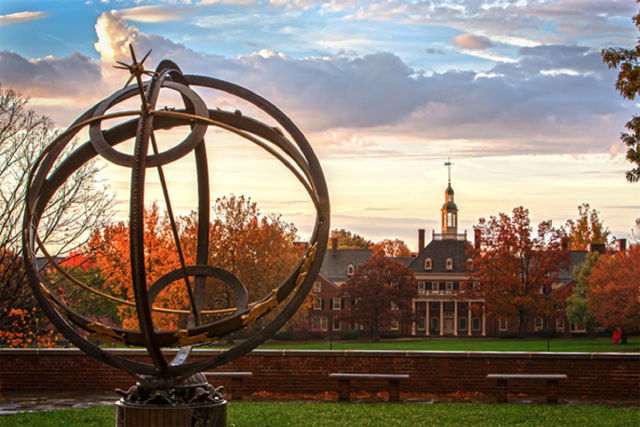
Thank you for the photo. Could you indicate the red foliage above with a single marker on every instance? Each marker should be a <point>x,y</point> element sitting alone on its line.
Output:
<point>613,290</point>
<point>514,271</point>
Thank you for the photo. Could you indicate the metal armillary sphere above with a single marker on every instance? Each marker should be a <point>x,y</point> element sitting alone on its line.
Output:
<point>49,174</point>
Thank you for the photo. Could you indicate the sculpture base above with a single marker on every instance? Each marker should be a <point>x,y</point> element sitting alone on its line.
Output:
<point>197,415</point>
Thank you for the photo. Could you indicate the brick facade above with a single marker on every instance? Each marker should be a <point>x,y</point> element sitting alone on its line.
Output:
<point>591,375</point>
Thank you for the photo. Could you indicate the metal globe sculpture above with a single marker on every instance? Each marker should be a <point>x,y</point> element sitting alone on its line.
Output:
<point>163,380</point>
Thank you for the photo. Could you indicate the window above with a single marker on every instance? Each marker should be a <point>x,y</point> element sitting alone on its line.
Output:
<point>336,325</point>
<point>319,323</point>
<point>463,323</point>
<point>435,324</point>
<point>318,304</point>
<point>350,270</point>
<point>449,219</point>
<point>395,325</point>
<point>337,304</point>
<point>449,307</point>
<point>421,323</point>
<point>449,264</point>
<point>421,288</point>
<point>476,324</point>
<point>577,328</point>
<point>475,284</point>
<point>435,306</point>
<point>538,323</point>
<point>317,287</point>
<point>394,306</point>
<point>503,324</point>
<point>358,326</point>
<point>435,286</point>
<point>560,325</point>
<point>449,287</point>
<point>427,264</point>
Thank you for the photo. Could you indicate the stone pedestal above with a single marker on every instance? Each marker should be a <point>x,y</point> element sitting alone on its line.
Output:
<point>197,415</point>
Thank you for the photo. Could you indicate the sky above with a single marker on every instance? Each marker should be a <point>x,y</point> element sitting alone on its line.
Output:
<point>514,92</point>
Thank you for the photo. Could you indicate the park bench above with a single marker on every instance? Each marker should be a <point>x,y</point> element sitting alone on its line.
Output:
<point>502,387</point>
<point>344,384</point>
<point>237,386</point>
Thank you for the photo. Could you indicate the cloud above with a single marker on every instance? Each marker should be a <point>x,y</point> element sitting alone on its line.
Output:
<point>21,17</point>
<point>469,41</point>
<point>150,13</point>
<point>431,51</point>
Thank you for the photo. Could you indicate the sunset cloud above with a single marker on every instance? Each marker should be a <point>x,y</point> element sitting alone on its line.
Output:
<point>21,17</point>
<point>469,41</point>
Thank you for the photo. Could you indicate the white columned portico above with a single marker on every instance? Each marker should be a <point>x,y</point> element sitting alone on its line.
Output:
<point>455,318</point>
<point>441,318</point>
<point>484,322</point>
<point>427,321</point>
<point>469,325</point>
<point>413,325</point>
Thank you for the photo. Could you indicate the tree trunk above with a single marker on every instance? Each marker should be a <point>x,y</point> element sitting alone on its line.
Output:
<point>522,325</point>
<point>376,333</point>
<point>623,337</point>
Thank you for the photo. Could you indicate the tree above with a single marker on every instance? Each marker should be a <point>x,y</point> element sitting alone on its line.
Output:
<point>376,288</point>
<point>347,240</point>
<point>392,248</point>
<point>513,270</point>
<point>79,206</point>
<point>613,290</point>
<point>628,84</point>
<point>587,229</point>
<point>577,309</point>
<point>635,232</point>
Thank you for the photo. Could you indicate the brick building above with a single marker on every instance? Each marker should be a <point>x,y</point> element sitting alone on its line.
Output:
<point>439,268</point>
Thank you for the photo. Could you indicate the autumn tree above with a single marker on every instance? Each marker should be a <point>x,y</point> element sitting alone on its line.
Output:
<point>79,206</point>
<point>628,84</point>
<point>514,269</point>
<point>577,309</point>
<point>392,248</point>
<point>348,240</point>
<point>613,290</point>
<point>587,229</point>
<point>381,291</point>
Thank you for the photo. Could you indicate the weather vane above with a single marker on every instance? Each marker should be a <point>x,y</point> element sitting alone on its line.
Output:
<point>448,164</point>
<point>178,384</point>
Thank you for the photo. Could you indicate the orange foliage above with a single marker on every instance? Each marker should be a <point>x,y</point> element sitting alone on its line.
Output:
<point>24,331</point>
<point>392,248</point>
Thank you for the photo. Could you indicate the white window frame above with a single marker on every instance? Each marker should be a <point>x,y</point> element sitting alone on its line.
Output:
<point>449,264</point>
<point>319,323</point>
<point>395,324</point>
<point>560,325</point>
<point>462,324</point>
<point>437,290</point>
<point>351,270</point>
<point>317,287</point>
<point>316,304</point>
<point>336,322</point>
<point>576,328</point>
<point>539,323</point>
<point>474,321</point>
<point>422,288</point>
<point>435,324</point>
<point>336,303</point>
<point>422,321</point>
<point>448,287</point>
<point>503,325</point>
<point>394,306</point>
<point>428,264</point>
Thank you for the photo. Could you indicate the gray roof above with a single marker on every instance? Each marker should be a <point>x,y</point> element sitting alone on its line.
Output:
<point>439,251</point>
<point>334,266</point>
<point>405,260</point>
<point>577,258</point>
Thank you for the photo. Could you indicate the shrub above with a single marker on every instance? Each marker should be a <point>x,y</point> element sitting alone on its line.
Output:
<point>389,335</point>
<point>547,333</point>
<point>508,335</point>
<point>349,334</point>
<point>283,336</point>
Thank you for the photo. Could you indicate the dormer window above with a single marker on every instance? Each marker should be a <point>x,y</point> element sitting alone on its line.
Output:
<point>449,264</point>
<point>427,264</point>
<point>317,287</point>
<point>350,270</point>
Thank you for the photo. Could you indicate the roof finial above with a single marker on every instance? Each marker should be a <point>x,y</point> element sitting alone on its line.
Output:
<point>448,164</point>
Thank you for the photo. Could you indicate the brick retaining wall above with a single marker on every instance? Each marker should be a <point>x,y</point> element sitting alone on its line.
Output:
<point>592,375</point>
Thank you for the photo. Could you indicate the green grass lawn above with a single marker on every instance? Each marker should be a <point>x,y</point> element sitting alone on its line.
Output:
<point>308,414</point>
<point>602,345</point>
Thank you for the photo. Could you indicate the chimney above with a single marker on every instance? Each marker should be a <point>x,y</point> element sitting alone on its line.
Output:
<point>334,245</point>
<point>420,240</point>
<point>477,240</point>
<point>598,247</point>
<point>565,244</point>
<point>622,245</point>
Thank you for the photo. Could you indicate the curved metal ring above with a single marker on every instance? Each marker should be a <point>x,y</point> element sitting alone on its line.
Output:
<point>107,151</point>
